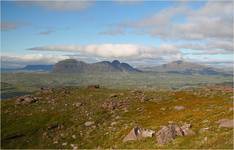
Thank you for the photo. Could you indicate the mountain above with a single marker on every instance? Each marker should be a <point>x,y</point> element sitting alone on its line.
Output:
<point>75,66</point>
<point>30,68</point>
<point>188,68</point>
<point>38,67</point>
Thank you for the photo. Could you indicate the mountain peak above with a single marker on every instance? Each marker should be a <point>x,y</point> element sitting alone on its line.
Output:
<point>178,62</point>
<point>115,62</point>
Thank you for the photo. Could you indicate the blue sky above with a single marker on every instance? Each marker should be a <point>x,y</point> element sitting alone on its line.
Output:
<point>136,32</point>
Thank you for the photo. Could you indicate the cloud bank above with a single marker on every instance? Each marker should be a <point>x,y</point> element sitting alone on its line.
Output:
<point>114,50</point>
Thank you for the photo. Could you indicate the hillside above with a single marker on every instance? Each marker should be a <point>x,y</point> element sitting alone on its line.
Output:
<point>84,118</point>
<point>75,66</point>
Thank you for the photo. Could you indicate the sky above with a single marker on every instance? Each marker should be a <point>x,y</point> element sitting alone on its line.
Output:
<point>141,33</point>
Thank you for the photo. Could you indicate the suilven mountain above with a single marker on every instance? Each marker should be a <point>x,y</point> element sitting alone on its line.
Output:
<point>75,66</point>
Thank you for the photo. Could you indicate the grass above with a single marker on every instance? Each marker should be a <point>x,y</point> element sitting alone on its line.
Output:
<point>203,107</point>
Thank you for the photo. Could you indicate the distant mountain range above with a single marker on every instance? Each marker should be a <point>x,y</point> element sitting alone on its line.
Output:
<point>187,68</point>
<point>74,66</point>
<point>30,68</point>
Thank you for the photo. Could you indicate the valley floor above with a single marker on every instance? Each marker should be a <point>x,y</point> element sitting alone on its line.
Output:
<point>100,118</point>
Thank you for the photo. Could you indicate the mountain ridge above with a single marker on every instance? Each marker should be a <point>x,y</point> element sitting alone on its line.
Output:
<point>75,66</point>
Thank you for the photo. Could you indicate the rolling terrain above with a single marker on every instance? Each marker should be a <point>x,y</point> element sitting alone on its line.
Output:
<point>96,117</point>
<point>81,106</point>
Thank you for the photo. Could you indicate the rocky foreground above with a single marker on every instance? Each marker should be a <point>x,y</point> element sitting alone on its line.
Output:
<point>96,117</point>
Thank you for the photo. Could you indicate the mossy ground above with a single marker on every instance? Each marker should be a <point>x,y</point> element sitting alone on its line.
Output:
<point>26,126</point>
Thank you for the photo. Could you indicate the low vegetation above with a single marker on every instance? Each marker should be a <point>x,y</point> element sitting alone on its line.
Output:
<point>96,117</point>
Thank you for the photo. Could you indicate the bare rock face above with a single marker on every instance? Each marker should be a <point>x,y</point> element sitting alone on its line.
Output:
<point>27,99</point>
<point>168,133</point>
<point>226,123</point>
<point>138,133</point>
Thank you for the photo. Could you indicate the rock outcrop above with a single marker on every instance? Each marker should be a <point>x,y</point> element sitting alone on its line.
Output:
<point>168,133</point>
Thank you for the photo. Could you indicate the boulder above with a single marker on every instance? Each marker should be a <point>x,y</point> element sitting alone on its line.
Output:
<point>168,133</point>
<point>138,133</point>
<point>226,123</point>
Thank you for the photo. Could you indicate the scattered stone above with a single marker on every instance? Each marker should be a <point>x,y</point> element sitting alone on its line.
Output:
<point>74,136</point>
<point>202,130</point>
<point>113,95</point>
<point>27,99</point>
<point>64,144</point>
<point>113,123</point>
<point>226,123</point>
<point>114,104</point>
<point>179,107</point>
<point>52,126</point>
<point>46,90</point>
<point>78,104</point>
<point>89,123</point>
<point>138,133</point>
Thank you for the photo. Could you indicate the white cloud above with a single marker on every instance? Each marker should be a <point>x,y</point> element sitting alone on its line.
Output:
<point>115,50</point>
<point>213,20</point>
